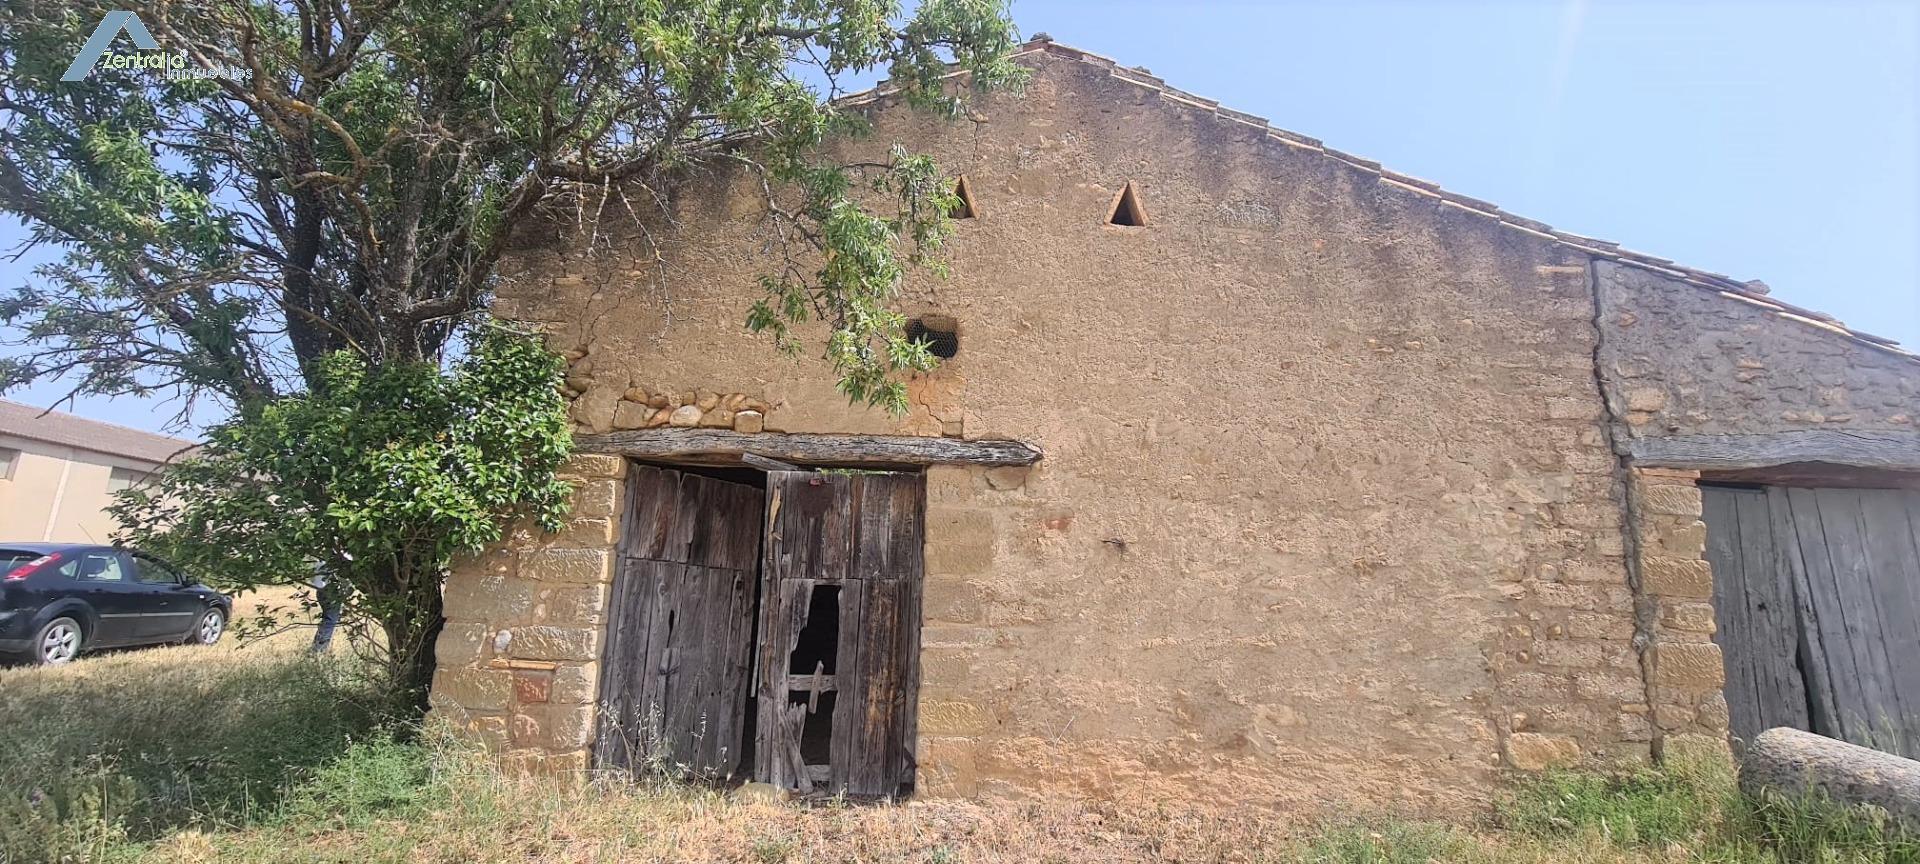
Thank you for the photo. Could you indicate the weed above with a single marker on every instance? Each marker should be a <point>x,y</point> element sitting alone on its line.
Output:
<point>143,743</point>
<point>177,756</point>
<point>1643,808</point>
<point>1383,842</point>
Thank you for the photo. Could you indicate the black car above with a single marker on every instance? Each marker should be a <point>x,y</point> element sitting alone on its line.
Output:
<point>57,599</point>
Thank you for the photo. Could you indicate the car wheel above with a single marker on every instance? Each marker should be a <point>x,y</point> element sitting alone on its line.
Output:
<point>209,629</point>
<point>58,642</point>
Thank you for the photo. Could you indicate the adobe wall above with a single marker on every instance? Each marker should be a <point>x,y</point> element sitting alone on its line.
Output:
<point>1327,515</point>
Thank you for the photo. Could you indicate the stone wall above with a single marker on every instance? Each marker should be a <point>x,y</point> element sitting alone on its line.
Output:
<point>1679,359</point>
<point>1676,359</point>
<point>520,655</point>
<point>1684,668</point>
<point>601,409</point>
<point>1327,513</point>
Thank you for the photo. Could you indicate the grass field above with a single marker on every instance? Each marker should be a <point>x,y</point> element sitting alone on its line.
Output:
<point>261,754</point>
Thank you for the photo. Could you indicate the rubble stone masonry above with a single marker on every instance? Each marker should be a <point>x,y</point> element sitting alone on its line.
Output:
<point>520,655</point>
<point>1329,511</point>
<point>1326,511</point>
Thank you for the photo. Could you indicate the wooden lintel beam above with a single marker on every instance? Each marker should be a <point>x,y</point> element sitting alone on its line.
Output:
<point>1898,451</point>
<point>808,449</point>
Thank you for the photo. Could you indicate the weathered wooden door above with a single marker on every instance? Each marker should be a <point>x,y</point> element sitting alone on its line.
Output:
<point>838,698</point>
<point>1817,596</point>
<point>677,666</point>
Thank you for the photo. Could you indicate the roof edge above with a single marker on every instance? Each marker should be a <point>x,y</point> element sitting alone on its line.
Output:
<point>1752,292</point>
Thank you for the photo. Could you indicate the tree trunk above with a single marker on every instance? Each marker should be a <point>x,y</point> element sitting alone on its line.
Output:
<point>411,629</point>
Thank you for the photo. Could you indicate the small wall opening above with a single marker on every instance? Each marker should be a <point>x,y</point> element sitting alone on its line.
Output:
<point>966,209</point>
<point>1127,209</point>
<point>940,333</point>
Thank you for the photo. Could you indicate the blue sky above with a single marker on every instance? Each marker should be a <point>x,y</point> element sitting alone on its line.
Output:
<point>1774,141</point>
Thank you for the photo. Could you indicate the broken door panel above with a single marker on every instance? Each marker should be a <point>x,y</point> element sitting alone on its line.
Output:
<point>676,673</point>
<point>858,536</point>
<point>780,725</point>
<point>809,520</point>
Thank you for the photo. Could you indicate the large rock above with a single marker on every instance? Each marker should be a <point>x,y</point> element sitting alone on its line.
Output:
<point>1796,763</point>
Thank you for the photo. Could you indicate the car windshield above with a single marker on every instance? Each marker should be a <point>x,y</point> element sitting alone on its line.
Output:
<point>13,558</point>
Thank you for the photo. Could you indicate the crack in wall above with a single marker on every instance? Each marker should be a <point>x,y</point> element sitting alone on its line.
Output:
<point>1626,494</point>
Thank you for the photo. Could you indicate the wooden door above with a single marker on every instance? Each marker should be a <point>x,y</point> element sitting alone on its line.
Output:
<point>849,546</point>
<point>1754,603</point>
<point>677,666</point>
<point>1845,660</point>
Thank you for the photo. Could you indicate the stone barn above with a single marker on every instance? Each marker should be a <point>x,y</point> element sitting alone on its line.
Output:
<point>1255,472</point>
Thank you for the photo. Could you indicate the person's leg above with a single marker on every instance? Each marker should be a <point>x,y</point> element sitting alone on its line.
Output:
<point>329,619</point>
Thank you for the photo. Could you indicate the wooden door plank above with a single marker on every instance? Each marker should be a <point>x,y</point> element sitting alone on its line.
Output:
<point>657,531</point>
<point>811,534</point>
<point>907,559</point>
<point>784,614</point>
<point>890,526</point>
<point>1828,531</point>
<point>1721,512</point>
<point>1772,625</point>
<point>1816,667</point>
<point>612,745</point>
<point>848,748</point>
<point>1893,563</point>
<point>1829,615</point>
<point>1844,522</point>
<point>732,514</point>
<point>690,716</point>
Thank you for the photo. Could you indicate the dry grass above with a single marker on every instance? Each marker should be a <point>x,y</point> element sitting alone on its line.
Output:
<point>281,766</point>
<point>478,816</point>
<point>443,804</point>
<point>134,744</point>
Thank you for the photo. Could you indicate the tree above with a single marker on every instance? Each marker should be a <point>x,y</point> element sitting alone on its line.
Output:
<point>377,477</point>
<point>347,184</point>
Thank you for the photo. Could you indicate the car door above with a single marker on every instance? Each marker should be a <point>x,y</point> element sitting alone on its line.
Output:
<point>102,578</point>
<point>170,609</point>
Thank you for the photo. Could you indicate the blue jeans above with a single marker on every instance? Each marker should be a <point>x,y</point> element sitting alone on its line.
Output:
<point>329,620</point>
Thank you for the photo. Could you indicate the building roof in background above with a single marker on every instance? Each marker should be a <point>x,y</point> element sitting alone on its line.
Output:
<point>72,430</point>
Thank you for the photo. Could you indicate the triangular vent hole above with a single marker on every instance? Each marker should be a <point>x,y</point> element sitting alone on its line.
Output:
<point>966,210</point>
<point>1127,211</point>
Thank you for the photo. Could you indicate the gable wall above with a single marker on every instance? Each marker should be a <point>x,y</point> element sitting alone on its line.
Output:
<point>1326,512</point>
<point>1685,361</point>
